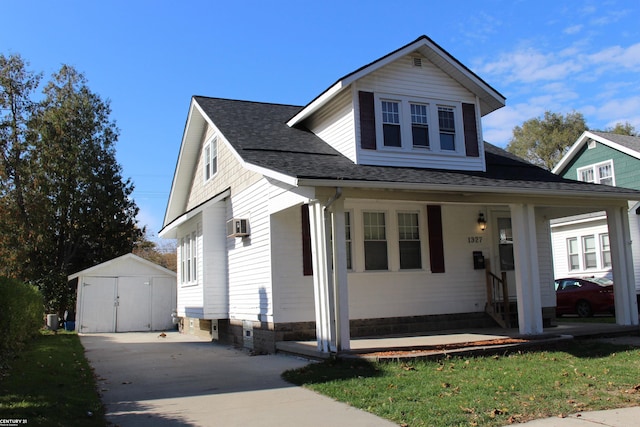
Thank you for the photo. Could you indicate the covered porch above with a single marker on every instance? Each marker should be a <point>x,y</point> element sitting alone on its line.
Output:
<point>530,278</point>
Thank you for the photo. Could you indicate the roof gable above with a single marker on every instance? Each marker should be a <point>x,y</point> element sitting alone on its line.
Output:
<point>629,145</point>
<point>490,99</point>
<point>128,260</point>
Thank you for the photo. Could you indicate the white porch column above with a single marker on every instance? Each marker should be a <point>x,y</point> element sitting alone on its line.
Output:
<point>322,281</point>
<point>340,281</point>
<point>624,287</point>
<point>525,251</point>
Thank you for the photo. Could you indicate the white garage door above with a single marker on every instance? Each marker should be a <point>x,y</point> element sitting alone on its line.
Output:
<point>134,304</point>
<point>97,308</point>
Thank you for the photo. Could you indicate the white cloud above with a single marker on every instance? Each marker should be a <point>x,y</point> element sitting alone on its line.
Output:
<point>574,29</point>
<point>616,56</point>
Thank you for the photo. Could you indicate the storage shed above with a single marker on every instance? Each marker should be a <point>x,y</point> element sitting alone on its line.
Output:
<point>125,294</point>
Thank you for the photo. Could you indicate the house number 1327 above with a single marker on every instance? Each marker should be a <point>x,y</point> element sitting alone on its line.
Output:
<point>474,239</point>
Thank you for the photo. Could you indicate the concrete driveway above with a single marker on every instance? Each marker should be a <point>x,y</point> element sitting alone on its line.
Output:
<point>180,380</point>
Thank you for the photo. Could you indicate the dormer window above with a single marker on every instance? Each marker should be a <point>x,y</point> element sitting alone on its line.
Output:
<point>391,124</point>
<point>411,124</point>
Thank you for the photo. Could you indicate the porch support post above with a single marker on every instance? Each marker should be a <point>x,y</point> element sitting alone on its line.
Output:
<point>340,281</point>
<point>525,251</point>
<point>322,286</point>
<point>624,288</point>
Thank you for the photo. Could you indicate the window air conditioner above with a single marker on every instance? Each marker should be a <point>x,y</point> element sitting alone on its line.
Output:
<point>237,227</point>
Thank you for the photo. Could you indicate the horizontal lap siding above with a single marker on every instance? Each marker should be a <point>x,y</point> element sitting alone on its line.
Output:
<point>249,258</point>
<point>190,298</point>
<point>335,124</point>
<point>293,292</point>
<point>461,289</point>
<point>545,262</point>
<point>428,81</point>
<point>214,254</point>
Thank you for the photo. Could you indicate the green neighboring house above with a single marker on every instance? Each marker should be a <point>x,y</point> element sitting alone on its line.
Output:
<point>581,243</point>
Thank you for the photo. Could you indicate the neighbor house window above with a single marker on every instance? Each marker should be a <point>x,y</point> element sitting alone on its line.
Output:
<point>375,241</point>
<point>574,256</point>
<point>589,252</point>
<point>391,124</point>
<point>210,159</point>
<point>446,120</point>
<point>605,250</point>
<point>409,241</point>
<point>419,126</point>
<point>600,173</point>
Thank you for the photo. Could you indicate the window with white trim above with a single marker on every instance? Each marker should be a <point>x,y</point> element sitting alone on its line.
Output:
<point>188,257</point>
<point>599,173</point>
<point>589,252</point>
<point>347,235</point>
<point>412,123</point>
<point>409,240</point>
<point>605,250</point>
<point>391,124</point>
<point>574,255</point>
<point>375,241</point>
<point>210,158</point>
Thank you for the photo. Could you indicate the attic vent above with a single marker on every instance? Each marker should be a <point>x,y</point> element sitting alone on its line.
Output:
<point>591,144</point>
<point>417,62</point>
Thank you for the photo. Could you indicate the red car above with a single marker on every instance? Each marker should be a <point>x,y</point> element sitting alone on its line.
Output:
<point>584,297</point>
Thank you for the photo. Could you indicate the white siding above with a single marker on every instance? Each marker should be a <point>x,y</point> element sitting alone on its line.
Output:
<point>461,289</point>
<point>190,295</point>
<point>335,124</point>
<point>634,230</point>
<point>213,262</point>
<point>545,262</point>
<point>293,292</point>
<point>559,236</point>
<point>250,293</point>
<point>401,78</point>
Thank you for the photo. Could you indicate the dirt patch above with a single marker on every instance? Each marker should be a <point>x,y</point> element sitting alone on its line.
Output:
<point>443,348</point>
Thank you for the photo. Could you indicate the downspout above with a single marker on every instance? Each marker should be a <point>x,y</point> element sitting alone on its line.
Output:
<point>336,300</point>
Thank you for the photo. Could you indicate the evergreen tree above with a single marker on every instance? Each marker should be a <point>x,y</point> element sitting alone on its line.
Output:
<point>78,209</point>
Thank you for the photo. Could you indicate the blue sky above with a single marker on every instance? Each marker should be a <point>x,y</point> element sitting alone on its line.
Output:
<point>149,57</point>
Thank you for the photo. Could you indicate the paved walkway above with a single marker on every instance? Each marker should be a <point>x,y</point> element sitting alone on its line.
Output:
<point>178,380</point>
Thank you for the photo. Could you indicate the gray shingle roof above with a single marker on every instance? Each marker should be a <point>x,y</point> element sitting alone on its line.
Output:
<point>632,142</point>
<point>260,135</point>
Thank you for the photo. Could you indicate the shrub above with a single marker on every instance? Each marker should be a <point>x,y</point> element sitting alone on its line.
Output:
<point>21,314</point>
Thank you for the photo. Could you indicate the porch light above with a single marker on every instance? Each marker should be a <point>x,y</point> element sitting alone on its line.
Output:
<point>482,223</point>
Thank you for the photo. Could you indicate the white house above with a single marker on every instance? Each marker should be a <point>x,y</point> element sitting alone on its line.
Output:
<point>373,209</point>
<point>125,294</point>
<point>581,244</point>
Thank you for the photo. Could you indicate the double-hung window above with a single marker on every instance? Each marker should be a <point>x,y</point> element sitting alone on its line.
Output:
<point>210,159</point>
<point>391,124</point>
<point>419,126</point>
<point>447,122</point>
<point>600,173</point>
<point>605,250</point>
<point>589,252</point>
<point>409,241</point>
<point>574,255</point>
<point>189,257</point>
<point>347,235</point>
<point>375,241</point>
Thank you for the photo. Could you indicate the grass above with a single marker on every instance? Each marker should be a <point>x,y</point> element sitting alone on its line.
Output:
<point>484,391</point>
<point>50,383</point>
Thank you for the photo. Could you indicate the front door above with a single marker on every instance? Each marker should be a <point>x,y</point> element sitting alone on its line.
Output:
<point>504,259</point>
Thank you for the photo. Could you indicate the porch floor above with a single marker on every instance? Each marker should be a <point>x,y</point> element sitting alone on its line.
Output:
<point>437,343</point>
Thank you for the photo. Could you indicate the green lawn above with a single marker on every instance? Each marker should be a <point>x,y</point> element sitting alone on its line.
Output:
<point>484,391</point>
<point>50,383</point>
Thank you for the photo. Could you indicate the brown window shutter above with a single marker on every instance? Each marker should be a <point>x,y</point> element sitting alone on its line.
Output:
<point>307,260</point>
<point>470,130</point>
<point>436,241</point>
<point>367,121</point>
